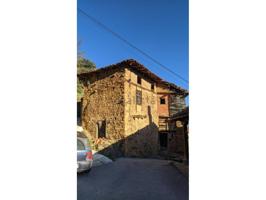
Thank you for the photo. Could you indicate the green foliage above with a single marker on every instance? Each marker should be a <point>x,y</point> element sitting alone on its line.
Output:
<point>79,90</point>
<point>83,65</point>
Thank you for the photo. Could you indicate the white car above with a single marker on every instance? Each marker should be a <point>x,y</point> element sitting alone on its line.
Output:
<point>84,153</point>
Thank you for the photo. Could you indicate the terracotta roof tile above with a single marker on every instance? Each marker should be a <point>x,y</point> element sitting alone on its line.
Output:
<point>134,65</point>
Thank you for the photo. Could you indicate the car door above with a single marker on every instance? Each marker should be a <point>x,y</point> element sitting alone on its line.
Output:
<point>81,150</point>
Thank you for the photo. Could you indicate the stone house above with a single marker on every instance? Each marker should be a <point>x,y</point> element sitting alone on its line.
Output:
<point>171,102</point>
<point>171,99</point>
<point>120,109</point>
<point>181,121</point>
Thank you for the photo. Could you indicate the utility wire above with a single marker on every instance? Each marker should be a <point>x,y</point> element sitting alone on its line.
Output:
<point>130,44</point>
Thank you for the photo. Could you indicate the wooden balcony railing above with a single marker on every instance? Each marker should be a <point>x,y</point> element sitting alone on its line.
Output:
<point>165,124</point>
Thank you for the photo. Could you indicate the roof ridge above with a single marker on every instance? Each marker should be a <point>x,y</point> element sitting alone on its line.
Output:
<point>134,64</point>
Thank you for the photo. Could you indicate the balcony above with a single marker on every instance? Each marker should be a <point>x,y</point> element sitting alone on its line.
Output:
<point>165,124</point>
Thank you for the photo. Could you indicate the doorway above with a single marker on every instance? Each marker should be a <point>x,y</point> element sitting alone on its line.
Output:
<point>163,138</point>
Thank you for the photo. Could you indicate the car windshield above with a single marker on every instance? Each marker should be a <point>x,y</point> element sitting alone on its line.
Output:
<point>80,145</point>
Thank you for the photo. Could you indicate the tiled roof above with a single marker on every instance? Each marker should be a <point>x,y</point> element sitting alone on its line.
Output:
<point>134,65</point>
<point>182,114</point>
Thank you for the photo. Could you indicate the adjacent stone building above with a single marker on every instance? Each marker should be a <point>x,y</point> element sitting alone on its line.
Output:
<point>171,102</point>
<point>120,109</point>
<point>181,121</point>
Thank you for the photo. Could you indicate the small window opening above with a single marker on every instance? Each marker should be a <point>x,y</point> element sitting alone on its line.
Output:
<point>101,128</point>
<point>162,100</point>
<point>139,80</point>
<point>138,97</point>
<point>152,86</point>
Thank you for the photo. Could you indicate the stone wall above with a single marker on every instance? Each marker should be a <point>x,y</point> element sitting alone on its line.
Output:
<point>132,129</point>
<point>104,100</point>
<point>176,140</point>
<point>141,121</point>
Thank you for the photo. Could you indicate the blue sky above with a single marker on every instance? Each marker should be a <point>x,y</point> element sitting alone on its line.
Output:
<point>157,27</point>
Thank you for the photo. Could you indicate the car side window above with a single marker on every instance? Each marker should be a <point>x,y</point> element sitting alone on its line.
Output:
<point>80,145</point>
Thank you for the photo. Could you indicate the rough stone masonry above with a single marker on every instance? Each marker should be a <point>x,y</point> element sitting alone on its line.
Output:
<point>119,110</point>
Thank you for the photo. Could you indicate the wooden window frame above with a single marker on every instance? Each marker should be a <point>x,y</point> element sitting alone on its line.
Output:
<point>138,97</point>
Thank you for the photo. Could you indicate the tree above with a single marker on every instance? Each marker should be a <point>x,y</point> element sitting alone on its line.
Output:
<point>83,65</point>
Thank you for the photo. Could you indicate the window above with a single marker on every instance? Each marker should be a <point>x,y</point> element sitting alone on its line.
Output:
<point>80,146</point>
<point>162,100</point>
<point>139,80</point>
<point>152,86</point>
<point>101,129</point>
<point>138,97</point>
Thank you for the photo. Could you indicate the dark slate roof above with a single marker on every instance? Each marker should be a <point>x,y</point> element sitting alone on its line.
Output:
<point>134,65</point>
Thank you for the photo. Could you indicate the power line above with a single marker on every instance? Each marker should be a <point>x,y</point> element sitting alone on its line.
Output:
<point>130,44</point>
